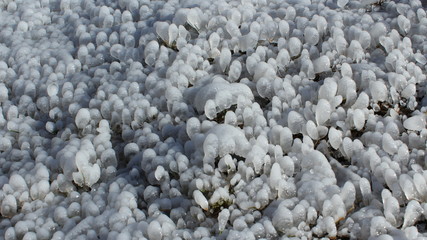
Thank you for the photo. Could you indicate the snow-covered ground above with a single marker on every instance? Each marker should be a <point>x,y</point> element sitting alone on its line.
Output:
<point>193,119</point>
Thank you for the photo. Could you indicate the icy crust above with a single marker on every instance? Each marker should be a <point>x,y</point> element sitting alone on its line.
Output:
<point>138,119</point>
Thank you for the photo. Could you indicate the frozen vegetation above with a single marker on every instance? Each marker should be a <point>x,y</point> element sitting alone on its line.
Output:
<point>245,119</point>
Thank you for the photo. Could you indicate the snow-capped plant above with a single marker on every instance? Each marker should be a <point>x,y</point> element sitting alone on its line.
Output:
<point>167,32</point>
<point>294,47</point>
<point>194,18</point>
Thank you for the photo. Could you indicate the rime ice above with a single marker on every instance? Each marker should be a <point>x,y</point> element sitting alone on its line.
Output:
<point>323,111</point>
<point>137,119</point>
<point>321,64</point>
<point>415,123</point>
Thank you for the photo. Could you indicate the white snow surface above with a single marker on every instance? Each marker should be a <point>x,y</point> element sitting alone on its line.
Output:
<point>252,119</point>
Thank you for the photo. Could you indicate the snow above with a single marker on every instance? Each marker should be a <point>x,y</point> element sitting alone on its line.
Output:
<point>311,129</point>
<point>355,51</point>
<point>412,212</point>
<point>359,119</point>
<point>342,3</point>
<point>404,24</point>
<point>168,33</point>
<point>409,91</point>
<point>335,137</point>
<point>18,183</point>
<point>295,122</point>
<point>378,91</point>
<point>210,91</point>
<point>224,59</point>
<point>154,230</point>
<point>348,195</point>
<point>264,88</point>
<point>201,200</point>
<point>362,101</point>
<point>194,18</point>
<point>365,190</point>
<point>284,28</point>
<point>295,47</point>
<point>275,175</point>
<point>420,184</point>
<point>223,217</point>
<point>389,144</point>
<point>82,118</point>
<point>323,111</point>
<point>8,206</point>
<point>235,71</point>
<point>248,41</point>
<point>311,35</point>
<point>328,89</point>
<point>283,58</point>
<point>420,58</point>
<point>212,119</point>
<point>263,70</point>
<point>407,185</point>
<point>282,219</point>
<point>415,123</point>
